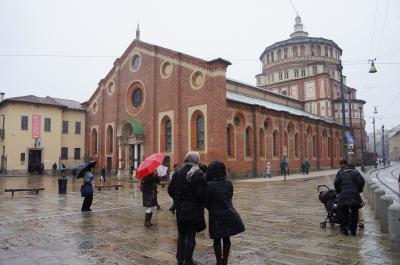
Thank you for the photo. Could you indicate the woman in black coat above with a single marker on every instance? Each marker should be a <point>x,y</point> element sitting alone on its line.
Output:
<point>224,221</point>
<point>149,189</point>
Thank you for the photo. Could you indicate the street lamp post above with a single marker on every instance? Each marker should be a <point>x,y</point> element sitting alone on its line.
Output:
<point>362,139</point>
<point>348,91</point>
<point>340,69</point>
<point>383,145</point>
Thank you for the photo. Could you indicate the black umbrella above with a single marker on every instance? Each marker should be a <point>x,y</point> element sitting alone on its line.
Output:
<point>85,168</point>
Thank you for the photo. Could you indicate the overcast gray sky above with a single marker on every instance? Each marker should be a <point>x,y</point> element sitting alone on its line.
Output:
<point>235,30</point>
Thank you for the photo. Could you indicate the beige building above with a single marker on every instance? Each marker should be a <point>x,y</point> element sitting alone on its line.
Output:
<point>35,130</point>
<point>394,146</point>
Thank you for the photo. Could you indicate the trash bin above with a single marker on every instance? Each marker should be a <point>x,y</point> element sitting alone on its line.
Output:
<point>62,185</point>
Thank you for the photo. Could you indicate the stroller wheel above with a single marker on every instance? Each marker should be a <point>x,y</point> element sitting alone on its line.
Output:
<point>322,224</point>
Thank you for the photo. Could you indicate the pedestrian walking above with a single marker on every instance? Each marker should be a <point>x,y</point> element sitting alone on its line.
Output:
<point>224,221</point>
<point>307,166</point>
<point>103,174</point>
<point>74,173</point>
<point>268,170</point>
<point>87,190</point>
<point>187,189</point>
<point>62,170</point>
<point>172,208</point>
<point>54,167</point>
<point>349,184</point>
<point>149,190</point>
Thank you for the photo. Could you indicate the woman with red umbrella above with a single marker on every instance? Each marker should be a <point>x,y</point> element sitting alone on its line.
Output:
<point>147,173</point>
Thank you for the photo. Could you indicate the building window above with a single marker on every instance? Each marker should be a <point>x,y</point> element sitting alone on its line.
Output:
<point>275,146</point>
<point>135,62</point>
<point>230,144</point>
<point>329,147</point>
<point>78,127</point>
<point>200,132</point>
<point>22,157</point>
<point>65,127</point>
<point>47,124</point>
<point>314,70</point>
<point>94,142</point>
<point>286,75</point>
<point>168,135</point>
<point>24,123</point>
<point>137,98</point>
<point>280,76</point>
<point>296,145</point>
<point>110,139</point>
<point>262,143</point>
<point>296,73</point>
<point>77,154</point>
<point>303,72</point>
<point>314,147</point>
<point>249,142</point>
<point>64,153</point>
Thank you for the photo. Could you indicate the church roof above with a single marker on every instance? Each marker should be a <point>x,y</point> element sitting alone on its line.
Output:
<point>246,99</point>
<point>49,101</point>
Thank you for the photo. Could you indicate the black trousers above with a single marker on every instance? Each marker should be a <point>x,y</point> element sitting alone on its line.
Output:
<point>186,245</point>
<point>349,217</point>
<point>87,203</point>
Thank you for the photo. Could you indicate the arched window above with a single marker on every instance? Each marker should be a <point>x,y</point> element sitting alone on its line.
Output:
<point>249,143</point>
<point>198,131</point>
<point>312,50</point>
<point>275,146</point>
<point>279,54</point>
<point>285,53</point>
<point>230,141</point>
<point>94,143</point>
<point>296,145</point>
<point>262,143</point>
<point>318,53</point>
<point>166,135</point>
<point>329,147</point>
<point>314,147</point>
<point>302,50</point>
<point>294,51</point>
<point>110,139</point>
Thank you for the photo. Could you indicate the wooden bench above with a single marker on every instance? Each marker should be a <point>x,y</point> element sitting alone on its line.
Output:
<point>24,189</point>
<point>116,186</point>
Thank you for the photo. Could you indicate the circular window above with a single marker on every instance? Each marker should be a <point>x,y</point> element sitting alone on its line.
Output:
<point>166,69</point>
<point>197,80</point>
<point>135,62</point>
<point>110,88</point>
<point>284,92</point>
<point>137,97</point>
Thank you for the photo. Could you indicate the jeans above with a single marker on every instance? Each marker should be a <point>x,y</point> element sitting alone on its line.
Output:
<point>87,202</point>
<point>186,245</point>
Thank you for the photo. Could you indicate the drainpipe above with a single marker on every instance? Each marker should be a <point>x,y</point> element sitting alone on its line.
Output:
<point>254,143</point>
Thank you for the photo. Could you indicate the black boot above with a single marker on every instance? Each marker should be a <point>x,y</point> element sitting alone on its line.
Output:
<point>218,254</point>
<point>227,248</point>
<point>147,221</point>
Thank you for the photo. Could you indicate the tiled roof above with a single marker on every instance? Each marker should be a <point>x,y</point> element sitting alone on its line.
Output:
<point>57,102</point>
<point>271,105</point>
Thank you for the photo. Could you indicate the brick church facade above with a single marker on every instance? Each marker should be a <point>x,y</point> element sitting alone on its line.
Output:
<point>158,100</point>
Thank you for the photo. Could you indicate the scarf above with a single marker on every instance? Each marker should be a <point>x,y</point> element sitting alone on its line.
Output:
<point>192,171</point>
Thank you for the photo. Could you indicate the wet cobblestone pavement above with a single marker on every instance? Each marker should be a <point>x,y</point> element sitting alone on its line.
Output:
<point>282,227</point>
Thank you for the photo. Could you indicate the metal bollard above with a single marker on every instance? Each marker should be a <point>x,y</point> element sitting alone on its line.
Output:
<point>372,183</point>
<point>394,222</point>
<point>383,205</point>
<point>365,190</point>
<point>371,195</point>
<point>377,194</point>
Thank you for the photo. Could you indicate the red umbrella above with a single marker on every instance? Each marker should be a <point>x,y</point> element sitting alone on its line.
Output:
<point>149,165</point>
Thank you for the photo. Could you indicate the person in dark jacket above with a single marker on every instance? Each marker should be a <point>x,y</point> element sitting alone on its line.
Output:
<point>349,184</point>
<point>149,189</point>
<point>187,189</point>
<point>87,190</point>
<point>224,221</point>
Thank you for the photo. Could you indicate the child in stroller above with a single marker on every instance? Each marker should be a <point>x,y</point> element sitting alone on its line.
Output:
<point>328,199</point>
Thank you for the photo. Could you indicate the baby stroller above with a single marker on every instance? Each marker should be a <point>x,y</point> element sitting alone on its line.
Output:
<point>327,197</point>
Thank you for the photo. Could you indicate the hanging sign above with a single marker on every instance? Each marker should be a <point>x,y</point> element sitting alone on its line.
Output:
<point>36,126</point>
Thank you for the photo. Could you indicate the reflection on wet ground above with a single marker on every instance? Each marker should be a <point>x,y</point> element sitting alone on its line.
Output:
<point>282,227</point>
